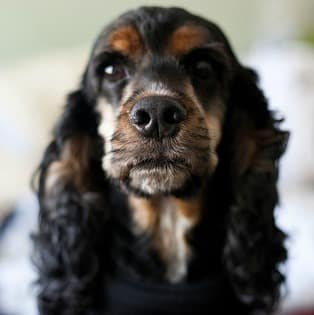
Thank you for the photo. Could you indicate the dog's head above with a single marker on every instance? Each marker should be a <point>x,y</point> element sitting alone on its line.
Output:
<point>160,79</point>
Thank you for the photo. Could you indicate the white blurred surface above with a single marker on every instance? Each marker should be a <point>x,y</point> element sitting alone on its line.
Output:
<point>17,291</point>
<point>32,94</point>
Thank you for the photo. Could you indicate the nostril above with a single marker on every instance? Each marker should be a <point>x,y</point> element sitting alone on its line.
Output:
<point>173,115</point>
<point>141,118</point>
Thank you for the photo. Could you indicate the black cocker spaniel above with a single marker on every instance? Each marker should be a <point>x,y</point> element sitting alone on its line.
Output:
<point>157,193</point>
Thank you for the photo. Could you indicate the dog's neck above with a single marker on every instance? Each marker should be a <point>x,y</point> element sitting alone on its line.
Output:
<point>167,221</point>
<point>168,239</point>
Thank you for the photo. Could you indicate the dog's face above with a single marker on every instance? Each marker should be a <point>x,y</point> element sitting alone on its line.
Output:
<point>160,78</point>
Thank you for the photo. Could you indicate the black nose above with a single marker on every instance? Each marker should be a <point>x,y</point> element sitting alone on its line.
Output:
<point>157,116</point>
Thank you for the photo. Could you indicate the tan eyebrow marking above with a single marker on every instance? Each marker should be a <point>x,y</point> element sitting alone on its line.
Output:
<point>185,38</point>
<point>127,41</point>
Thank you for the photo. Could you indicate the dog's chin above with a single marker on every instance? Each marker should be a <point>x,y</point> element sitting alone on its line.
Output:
<point>157,180</point>
<point>166,180</point>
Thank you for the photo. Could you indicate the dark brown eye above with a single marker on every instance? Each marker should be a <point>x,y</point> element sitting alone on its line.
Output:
<point>203,70</point>
<point>115,72</point>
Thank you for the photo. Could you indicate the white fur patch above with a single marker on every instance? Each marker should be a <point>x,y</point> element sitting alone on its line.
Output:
<point>157,180</point>
<point>173,227</point>
<point>106,129</point>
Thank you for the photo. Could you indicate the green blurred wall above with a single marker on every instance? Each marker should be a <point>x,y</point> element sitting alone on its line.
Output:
<point>33,27</point>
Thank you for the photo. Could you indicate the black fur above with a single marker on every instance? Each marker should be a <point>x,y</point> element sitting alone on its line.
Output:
<point>85,236</point>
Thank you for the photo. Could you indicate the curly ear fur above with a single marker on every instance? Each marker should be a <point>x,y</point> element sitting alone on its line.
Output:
<point>67,249</point>
<point>254,246</point>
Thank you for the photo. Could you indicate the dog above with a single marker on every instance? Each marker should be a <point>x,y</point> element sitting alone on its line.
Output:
<point>157,192</point>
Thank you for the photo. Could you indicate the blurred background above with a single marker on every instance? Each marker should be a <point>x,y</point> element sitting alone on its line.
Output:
<point>44,46</point>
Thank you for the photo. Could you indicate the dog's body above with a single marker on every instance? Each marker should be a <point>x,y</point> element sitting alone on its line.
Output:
<point>157,193</point>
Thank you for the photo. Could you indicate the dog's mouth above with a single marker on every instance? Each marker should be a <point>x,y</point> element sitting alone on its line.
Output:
<point>160,164</point>
<point>158,176</point>
<point>167,171</point>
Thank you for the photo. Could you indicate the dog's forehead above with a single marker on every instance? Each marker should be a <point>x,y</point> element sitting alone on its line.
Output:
<point>128,40</point>
<point>158,32</point>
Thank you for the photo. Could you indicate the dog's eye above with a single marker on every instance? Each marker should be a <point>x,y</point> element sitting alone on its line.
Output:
<point>203,70</point>
<point>115,72</point>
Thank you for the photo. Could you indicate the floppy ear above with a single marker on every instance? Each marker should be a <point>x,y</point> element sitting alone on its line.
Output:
<point>71,211</point>
<point>254,245</point>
